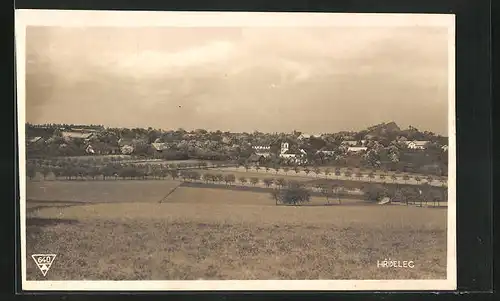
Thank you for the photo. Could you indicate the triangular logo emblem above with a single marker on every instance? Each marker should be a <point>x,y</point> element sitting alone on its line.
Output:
<point>44,261</point>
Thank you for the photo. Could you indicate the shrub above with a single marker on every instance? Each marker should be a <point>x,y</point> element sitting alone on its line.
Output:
<point>293,194</point>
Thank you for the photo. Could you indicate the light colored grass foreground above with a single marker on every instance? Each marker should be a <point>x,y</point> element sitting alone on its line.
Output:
<point>222,234</point>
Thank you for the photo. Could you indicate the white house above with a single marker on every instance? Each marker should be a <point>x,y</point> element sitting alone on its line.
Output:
<point>356,149</point>
<point>89,149</point>
<point>127,149</point>
<point>286,153</point>
<point>444,148</point>
<point>307,136</point>
<point>417,144</point>
<point>159,146</point>
<point>76,135</point>
<point>261,148</point>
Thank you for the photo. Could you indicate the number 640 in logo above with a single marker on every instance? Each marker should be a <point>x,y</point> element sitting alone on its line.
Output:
<point>44,261</point>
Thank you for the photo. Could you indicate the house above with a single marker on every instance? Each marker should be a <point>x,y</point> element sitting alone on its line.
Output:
<point>89,149</point>
<point>350,143</point>
<point>261,148</point>
<point>256,159</point>
<point>356,149</point>
<point>159,147</point>
<point>307,136</point>
<point>127,149</point>
<point>416,144</point>
<point>444,148</point>
<point>34,140</point>
<point>290,155</point>
<point>326,152</point>
<point>69,135</point>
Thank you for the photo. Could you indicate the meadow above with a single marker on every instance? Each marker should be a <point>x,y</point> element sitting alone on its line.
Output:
<point>116,230</point>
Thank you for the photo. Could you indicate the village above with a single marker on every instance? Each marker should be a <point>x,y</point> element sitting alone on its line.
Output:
<point>384,146</point>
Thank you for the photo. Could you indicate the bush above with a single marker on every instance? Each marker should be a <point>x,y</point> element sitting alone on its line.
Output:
<point>293,194</point>
<point>375,192</point>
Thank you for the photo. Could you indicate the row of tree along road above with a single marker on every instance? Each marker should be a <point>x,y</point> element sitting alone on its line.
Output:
<point>283,191</point>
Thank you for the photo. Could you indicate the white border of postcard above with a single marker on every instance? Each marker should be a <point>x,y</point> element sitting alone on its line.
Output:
<point>25,18</point>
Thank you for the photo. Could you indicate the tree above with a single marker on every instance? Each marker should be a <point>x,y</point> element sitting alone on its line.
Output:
<point>337,173</point>
<point>382,177</point>
<point>280,182</point>
<point>219,178</point>
<point>294,194</point>
<point>58,172</point>
<point>371,175</point>
<point>276,195</point>
<point>337,191</point>
<point>429,179</point>
<point>268,182</point>
<point>317,171</point>
<point>375,192</point>
<point>45,172</point>
<point>229,179</point>
<point>93,172</point>
<point>394,178</point>
<point>174,174</point>
<point>247,167</point>
<point>327,172</point>
<point>307,170</point>
<point>106,171</point>
<point>348,174</point>
<point>286,169</point>
<point>254,180</point>
<point>359,175</point>
<point>194,176</point>
<point>31,171</point>
<point>406,178</point>
<point>418,179</point>
<point>207,177</point>
<point>242,180</point>
<point>296,169</point>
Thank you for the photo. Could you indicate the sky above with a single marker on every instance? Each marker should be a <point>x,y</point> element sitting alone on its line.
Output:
<point>280,79</point>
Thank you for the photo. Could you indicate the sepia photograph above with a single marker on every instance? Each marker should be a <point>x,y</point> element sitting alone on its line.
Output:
<point>236,150</point>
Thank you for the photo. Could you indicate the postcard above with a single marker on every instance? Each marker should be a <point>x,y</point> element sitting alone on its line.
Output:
<point>167,151</point>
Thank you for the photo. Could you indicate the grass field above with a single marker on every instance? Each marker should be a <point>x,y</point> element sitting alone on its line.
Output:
<point>117,230</point>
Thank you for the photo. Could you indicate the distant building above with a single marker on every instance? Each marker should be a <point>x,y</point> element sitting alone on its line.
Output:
<point>34,140</point>
<point>356,149</point>
<point>159,147</point>
<point>261,148</point>
<point>350,142</point>
<point>444,148</point>
<point>127,149</point>
<point>69,135</point>
<point>256,159</point>
<point>307,136</point>
<point>89,149</point>
<point>416,144</point>
<point>293,156</point>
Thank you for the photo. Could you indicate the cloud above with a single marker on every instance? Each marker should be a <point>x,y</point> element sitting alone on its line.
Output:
<point>165,62</point>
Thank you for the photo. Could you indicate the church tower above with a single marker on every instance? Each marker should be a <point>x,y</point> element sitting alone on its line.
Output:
<point>284,147</point>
